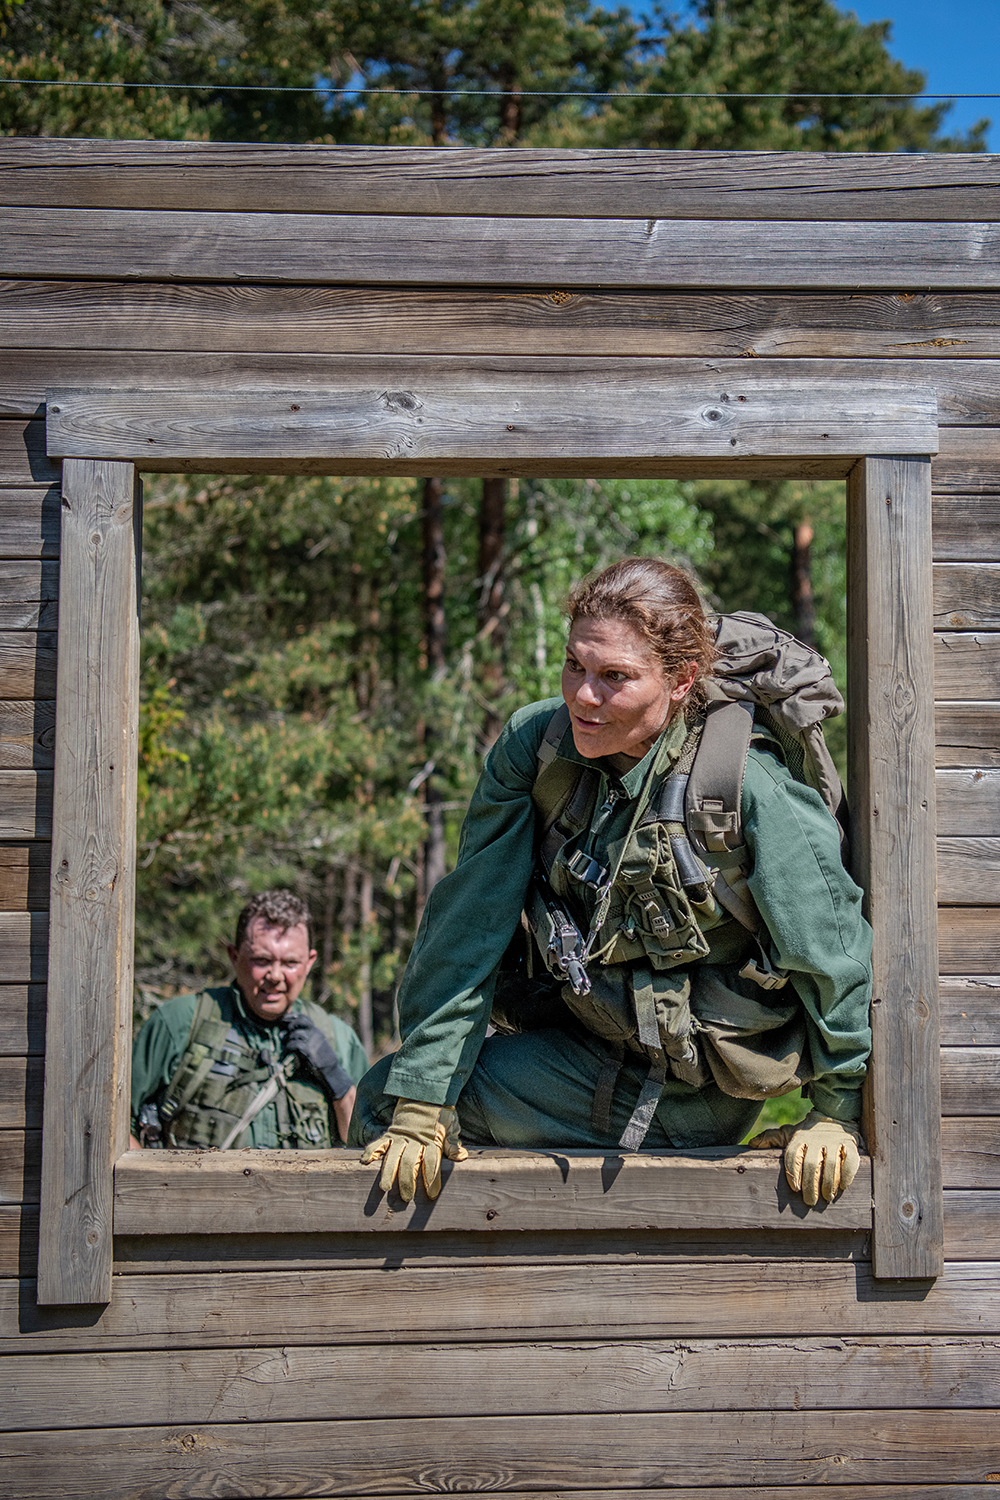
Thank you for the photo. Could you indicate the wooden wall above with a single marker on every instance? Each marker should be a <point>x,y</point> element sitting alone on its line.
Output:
<point>714,1365</point>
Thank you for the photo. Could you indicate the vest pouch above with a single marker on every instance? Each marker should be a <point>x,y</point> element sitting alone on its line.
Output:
<point>756,1048</point>
<point>610,1012</point>
<point>651,914</point>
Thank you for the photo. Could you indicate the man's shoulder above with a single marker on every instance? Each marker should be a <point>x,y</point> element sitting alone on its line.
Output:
<point>177,1014</point>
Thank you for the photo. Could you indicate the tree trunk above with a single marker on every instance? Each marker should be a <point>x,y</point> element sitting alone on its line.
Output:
<point>366,1028</point>
<point>492,524</point>
<point>803,604</point>
<point>435,662</point>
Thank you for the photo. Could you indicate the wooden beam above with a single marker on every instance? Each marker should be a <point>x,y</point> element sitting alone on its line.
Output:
<point>29,595</point>
<point>967,596</point>
<point>24,877</point>
<point>27,664</point>
<point>971,1224</point>
<point>967,665</point>
<point>174,1192</point>
<point>546,1453</point>
<point>970,1080</point>
<point>520,1298</point>
<point>943,331</point>
<point>457,180</point>
<point>892,798</point>
<point>20,1093</point>
<point>24,466</point>
<point>967,734</point>
<point>968,803</point>
<point>970,1149</point>
<point>970,1010</point>
<point>88,1031</point>
<point>969,872</point>
<point>969,939</point>
<point>25,804</point>
<point>966,525</point>
<point>420,250</point>
<point>24,946</point>
<point>27,735</point>
<point>274,1384</point>
<point>580,417</point>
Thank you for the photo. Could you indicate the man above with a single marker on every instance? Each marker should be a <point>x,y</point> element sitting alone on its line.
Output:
<point>250,1064</point>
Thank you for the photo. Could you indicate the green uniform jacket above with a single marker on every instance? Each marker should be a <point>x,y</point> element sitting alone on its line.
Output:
<point>811,907</point>
<point>162,1041</point>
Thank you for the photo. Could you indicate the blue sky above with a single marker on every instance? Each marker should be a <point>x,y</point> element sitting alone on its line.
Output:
<point>955,42</point>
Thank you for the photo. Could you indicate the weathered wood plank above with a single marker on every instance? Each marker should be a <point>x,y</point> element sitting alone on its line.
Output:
<point>184,1254</point>
<point>968,803</point>
<point>970,1080</point>
<point>967,597</point>
<point>968,462</point>
<point>27,735</point>
<point>216,320</point>
<point>29,595</point>
<point>24,946</point>
<point>457,180</point>
<point>27,664</point>
<point>25,804</point>
<point>967,665</point>
<point>22,1018</point>
<point>970,1149</point>
<point>969,872</point>
<point>88,1026</point>
<point>420,1381</point>
<point>972,1223</point>
<point>18,1240</point>
<point>970,1011</point>
<point>153,245</point>
<point>24,877</point>
<point>892,798</point>
<point>20,1165</point>
<point>506,1453</point>
<point>21,1093</point>
<point>969,939</point>
<point>967,390</point>
<point>180,1192</point>
<point>585,415</point>
<point>967,734</point>
<point>29,521</point>
<point>965,527</point>
<point>24,464</point>
<point>462,1301</point>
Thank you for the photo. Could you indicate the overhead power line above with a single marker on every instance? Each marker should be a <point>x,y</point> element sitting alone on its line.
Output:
<point>348,92</point>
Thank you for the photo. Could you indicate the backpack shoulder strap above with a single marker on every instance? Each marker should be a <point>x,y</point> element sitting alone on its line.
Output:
<point>715,783</point>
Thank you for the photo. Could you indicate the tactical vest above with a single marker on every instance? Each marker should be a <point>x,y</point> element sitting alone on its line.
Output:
<point>679,873</point>
<point>220,1076</point>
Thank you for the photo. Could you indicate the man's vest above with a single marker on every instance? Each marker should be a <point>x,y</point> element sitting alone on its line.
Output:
<point>222,1077</point>
<point>678,874</point>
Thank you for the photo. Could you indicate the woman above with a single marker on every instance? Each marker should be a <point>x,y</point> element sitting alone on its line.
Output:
<point>589,1072</point>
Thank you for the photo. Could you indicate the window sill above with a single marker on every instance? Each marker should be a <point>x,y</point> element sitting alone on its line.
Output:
<point>274,1192</point>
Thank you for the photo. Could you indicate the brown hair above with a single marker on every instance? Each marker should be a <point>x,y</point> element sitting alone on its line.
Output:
<point>278,909</point>
<point>660,603</point>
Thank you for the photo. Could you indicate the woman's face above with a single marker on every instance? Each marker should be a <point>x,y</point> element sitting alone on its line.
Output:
<point>618,695</point>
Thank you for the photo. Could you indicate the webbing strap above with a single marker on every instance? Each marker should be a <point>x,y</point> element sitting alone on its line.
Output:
<point>649,1097</point>
<point>715,784</point>
<point>263,1096</point>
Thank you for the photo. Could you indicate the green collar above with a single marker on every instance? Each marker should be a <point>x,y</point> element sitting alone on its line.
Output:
<point>254,1021</point>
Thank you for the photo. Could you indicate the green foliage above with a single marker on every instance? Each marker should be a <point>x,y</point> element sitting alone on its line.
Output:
<point>809,47</point>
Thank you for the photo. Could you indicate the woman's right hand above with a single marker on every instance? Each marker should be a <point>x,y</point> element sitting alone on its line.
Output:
<point>420,1134</point>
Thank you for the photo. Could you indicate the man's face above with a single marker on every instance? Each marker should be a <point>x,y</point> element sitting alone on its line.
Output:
<point>271,965</point>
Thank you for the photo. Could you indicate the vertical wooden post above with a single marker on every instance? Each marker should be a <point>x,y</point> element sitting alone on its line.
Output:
<point>88,1029</point>
<point>891,709</point>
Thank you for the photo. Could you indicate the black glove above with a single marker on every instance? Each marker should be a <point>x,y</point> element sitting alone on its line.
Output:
<point>304,1038</point>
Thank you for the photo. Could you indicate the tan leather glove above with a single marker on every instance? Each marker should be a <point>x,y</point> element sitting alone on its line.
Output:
<point>415,1141</point>
<point>820,1155</point>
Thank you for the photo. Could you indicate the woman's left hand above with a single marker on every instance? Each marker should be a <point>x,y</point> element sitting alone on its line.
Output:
<point>821,1155</point>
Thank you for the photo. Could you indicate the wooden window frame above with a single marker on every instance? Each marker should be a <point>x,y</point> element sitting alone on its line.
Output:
<point>880,439</point>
